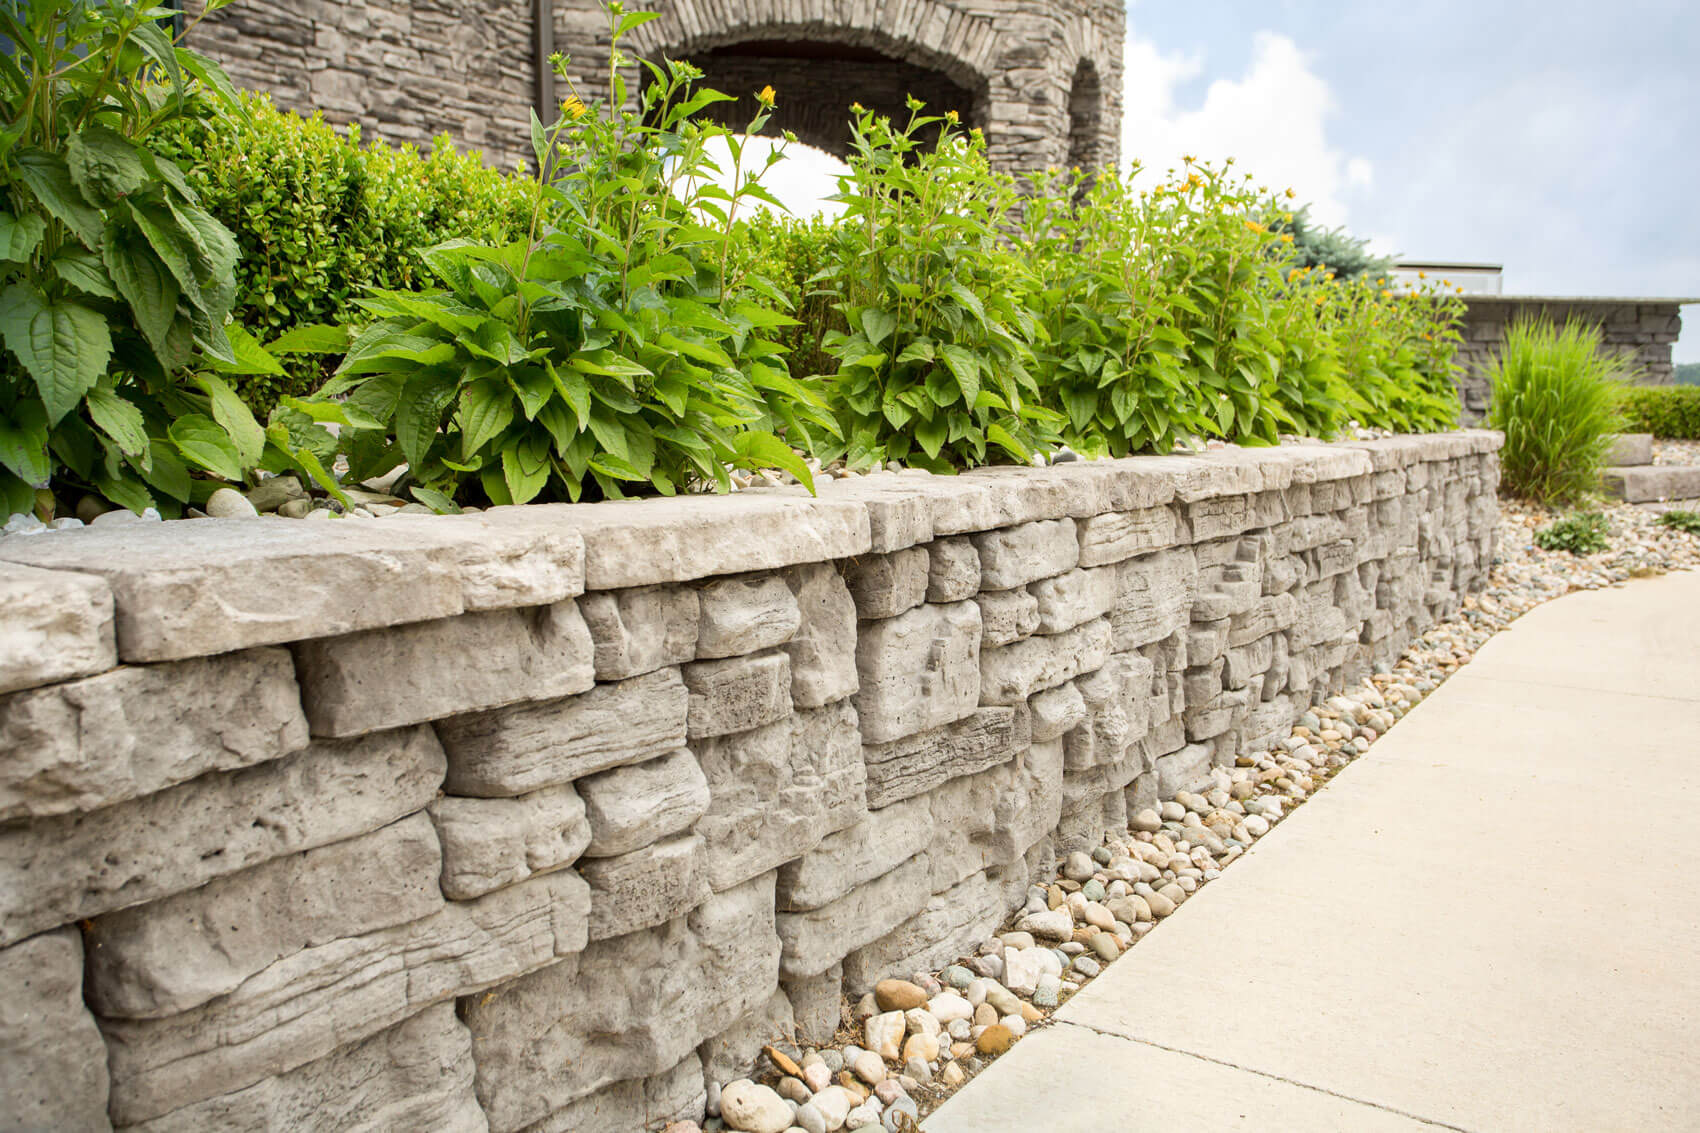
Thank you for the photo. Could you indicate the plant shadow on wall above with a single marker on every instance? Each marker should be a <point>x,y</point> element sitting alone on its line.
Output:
<point>618,346</point>
<point>117,283</point>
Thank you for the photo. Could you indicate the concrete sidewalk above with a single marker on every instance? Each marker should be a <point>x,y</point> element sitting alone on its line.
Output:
<point>1489,922</point>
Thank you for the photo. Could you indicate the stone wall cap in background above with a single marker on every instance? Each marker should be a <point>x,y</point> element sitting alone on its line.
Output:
<point>678,538</point>
<point>199,586</point>
<point>54,625</point>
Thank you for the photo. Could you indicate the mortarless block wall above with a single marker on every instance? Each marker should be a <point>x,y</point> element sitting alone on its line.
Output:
<point>539,818</point>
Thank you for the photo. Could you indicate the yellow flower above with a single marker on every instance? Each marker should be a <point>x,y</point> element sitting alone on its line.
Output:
<point>1289,194</point>
<point>765,97</point>
<point>857,107</point>
<point>574,108</point>
<point>1286,237</point>
<point>1255,227</point>
<point>1320,300</point>
<point>1385,294</point>
<point>1422,275</point>
<point>1460,290</point>
<point>952,117</point>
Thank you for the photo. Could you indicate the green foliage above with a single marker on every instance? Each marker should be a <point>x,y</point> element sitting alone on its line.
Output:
<point>1581,533</point>
<point>793,254</point>
<point>1331,249</point>
<point>609,350</point>
<point>1672,412</point>
<point>318,218</point>
<point>1687,374</point>
<point>1555,397</point>
<point>934,366</point>
<point>1681,519</point>
<point>115,283</point>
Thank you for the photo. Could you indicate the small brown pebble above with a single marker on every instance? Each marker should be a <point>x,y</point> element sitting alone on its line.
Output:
<point>782,1060</point>
<point>995,1039</point>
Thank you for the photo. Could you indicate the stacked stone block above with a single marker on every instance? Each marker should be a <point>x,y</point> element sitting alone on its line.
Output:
<point>542,818</point>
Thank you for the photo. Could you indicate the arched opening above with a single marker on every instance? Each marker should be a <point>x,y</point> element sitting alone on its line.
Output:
<point>1086,119</point>
<point>816,82</point>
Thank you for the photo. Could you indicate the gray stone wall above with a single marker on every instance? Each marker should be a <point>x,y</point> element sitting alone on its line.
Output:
<point>540,817</point>
<point>1042,77</point>
<point>1643,330</point>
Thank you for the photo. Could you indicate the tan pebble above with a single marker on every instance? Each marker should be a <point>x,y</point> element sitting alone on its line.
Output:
<point>961,1050</point>
<point>995,1039</point>
<point>952,1075</point>
<point>782,1060</point>
<point>1031,1013</point>
<point>985,1015</point>
<point>899,995</point>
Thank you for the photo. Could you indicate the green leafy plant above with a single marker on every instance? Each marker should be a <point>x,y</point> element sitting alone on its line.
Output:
<point>1672,412</point>
<point>614,348</point>
<point>934,366</point>
<point>1681,519</point>
<point>115,283</point>
<point>319,216</point>
<point>1581,533</point>
<point>1555,397</point>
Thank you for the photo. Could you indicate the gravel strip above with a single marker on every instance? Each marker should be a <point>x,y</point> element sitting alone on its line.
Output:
<point>913,1042</point>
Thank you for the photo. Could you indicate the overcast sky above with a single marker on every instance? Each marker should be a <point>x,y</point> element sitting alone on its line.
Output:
<point>1559,138</point>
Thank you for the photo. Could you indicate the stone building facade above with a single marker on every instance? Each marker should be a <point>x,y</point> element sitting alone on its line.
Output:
<point>1041,77</point>
<point>1643,329</point>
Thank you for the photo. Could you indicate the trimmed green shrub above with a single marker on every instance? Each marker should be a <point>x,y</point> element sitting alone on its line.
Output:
<point>319,218</point>
<point>1555,397</point>
<point>1681,519</point>
<point>789,256</point>
<point>1664,411</point>
<point>1582,533</point>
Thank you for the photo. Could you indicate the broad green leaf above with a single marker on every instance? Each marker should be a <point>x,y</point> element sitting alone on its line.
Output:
<point>486,408</point>
<point>347,414</point>
<point>23,443</point>
<point>203,442</point>
<point>124,491</point>
<point>966,369</point>
<point>82,269</point>
<point>46,176</point>
<point>878,325</point>
<point>143,280</point>
<point>216,256</point>
<point>166,472</point>
<point>20,235</point>
<point>317,339</point>
<point>119,420</point>
<point>419,413</point>
<point>434,500</point>
<point>525,468</point>
<point>768,450</point>
<point>63,345</point>
<point>164,233</point>
<point>16,496</point>
<point>104,164</point>
<point>233,413</point>
<point>251,357</point>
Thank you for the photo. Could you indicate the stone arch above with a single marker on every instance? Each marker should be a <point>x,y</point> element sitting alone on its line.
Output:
<point>1086,118</point>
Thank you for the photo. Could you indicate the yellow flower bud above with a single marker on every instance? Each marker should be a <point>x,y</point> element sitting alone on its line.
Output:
<point>765,97</point>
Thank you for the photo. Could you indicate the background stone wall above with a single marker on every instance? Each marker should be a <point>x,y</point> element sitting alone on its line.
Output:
<point>1643,329</point>
<point>1042,77</point>
<point>542,817</point>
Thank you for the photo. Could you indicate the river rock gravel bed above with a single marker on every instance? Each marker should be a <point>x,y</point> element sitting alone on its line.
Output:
<point>910,1043</point>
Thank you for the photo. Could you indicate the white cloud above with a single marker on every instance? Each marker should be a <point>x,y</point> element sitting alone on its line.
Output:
<point>1272,120</point>
<point>802,179</point>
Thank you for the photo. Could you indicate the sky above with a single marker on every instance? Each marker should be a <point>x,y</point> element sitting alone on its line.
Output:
<point>1558,138</point>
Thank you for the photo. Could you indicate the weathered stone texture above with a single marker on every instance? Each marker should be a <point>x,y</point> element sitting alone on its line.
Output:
<point>1007,615</point>
<point>52,1062</point>
<point>81,865</point>
<point>384,679</point>
<point>916,764</point>
<point>514,751</point>
<point>1118,535</point>
<point>738,694</point>
<point>823,650</point>
<point>919,670</point>
<point>742,615</point>
<point>953,570</point>
<point>884,586</point>
<point>1011,673</point>
<point>815,940</point>
<point>1013,556</point>
<point>492,843</point>
<point>644,887</point>
<point>53,625</point>
<point>632,806</point>
<point>640,630</point>
<point>89,743</point>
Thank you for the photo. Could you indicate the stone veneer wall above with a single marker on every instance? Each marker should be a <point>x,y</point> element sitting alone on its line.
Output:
<point>532,819</point>
<point>1642,329</point>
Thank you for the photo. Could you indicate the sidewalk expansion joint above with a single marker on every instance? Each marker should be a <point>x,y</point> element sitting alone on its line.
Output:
<point>1265,1074</point>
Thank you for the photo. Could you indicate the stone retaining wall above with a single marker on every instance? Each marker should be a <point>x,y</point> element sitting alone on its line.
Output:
<point>538,818</point>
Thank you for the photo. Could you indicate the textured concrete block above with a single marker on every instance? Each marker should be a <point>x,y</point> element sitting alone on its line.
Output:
<point>307,1005</point>
<point>632,806</point>
<point>655,1102</point>
<point>950,925</point>
<point>823,650</point>
<point>919,670</point>
<point>633,1006</point>
<point>918,763</point>
<point>733,1053</point>
<point>1056,711</point>
<point>89,743</point>
<point>815,940</point>
<point>1011,673</point>
<point>641,630</point>
<point>775,792</point>
<point>363,682</point>
<point>738,694</point>
<point>953,569</point>
<point>816,1004</point>
<point>743,615</point>
<point>884,586</point>
<point>168,956</point>
<point>415,1075</point>
<point>54,625</point>
<point>1154,597</point>
<point>1014,556</point>
<point>514,751</point>
<point>877,844</point>
<point>645,887</point>
<point>1007,615</point>
<point>81,865</point>
<point>507,557</point>
<point>52,1062</point>
<point>489,844</point>
<point>1117,535</point>
<point>1072,599</point>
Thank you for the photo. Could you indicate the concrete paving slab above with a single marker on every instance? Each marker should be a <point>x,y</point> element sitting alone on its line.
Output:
<point>1489,922</point>
<point>1110,1083</point>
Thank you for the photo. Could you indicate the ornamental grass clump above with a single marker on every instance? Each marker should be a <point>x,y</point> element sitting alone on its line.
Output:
<point>1555,397</point>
